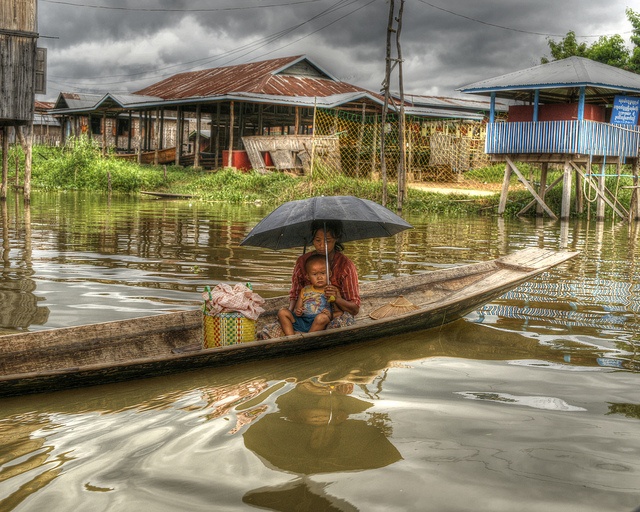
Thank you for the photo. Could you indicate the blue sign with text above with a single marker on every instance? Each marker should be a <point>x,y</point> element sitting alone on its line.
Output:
<point>625,110</point>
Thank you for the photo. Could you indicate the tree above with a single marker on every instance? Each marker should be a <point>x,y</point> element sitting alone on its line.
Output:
<point>610,50</point>
<point>567,47</point>
<point>634,57</point>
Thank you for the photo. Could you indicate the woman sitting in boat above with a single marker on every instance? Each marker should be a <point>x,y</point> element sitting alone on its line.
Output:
<point>313,310</point>
<point>344,288</point>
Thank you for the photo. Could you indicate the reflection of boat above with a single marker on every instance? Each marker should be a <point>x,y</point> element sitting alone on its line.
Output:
<point>98,353</point>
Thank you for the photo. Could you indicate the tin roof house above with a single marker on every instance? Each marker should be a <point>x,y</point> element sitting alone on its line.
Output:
<point>577,113</point>
<point>249,112</point>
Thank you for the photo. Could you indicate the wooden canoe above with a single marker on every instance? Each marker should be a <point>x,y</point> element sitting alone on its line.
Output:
<point>164,156</point>
<point>93,354</point>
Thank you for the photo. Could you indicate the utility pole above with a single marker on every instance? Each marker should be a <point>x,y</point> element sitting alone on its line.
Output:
<point>386,84</point>
<point>402,157</point>
<point>385,106</point>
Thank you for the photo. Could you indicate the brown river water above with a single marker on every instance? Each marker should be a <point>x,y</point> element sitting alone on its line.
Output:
<point>530,403</point>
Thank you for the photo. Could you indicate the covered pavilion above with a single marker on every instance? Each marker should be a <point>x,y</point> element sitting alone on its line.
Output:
<point>573,112</point>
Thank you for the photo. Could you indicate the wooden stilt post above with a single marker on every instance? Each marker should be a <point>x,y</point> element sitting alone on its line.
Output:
<point>566,191</point>
<point>217,143</point>
<point>26,140</point>
<point>232,121</point>
<point>360,139</point>
<point>104,133</point>
<point>196,157</point>
<point>529,188</point>
<point>634,210</point>
<point>374,146</point>
<point>178,135</point>
<point>543,187</point>
<point>579,194</point>
<point>156,136</point>
<point>600,200</point>
<point>161,139</point>
<point>130,131</point>
<point>505,189</point>
<point>140,140</point>
<point>5,163</point>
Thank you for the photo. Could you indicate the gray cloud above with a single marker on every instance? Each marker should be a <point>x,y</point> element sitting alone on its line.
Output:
<point>100,50</point>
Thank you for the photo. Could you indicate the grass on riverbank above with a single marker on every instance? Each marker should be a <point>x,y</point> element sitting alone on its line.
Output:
<point>80,166</point>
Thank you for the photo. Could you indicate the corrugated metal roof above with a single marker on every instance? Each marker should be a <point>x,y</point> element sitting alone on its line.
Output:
<point>75,100</point>
<point>45,120</point>
<point>465,104</point>
<point>441,113</point>
<point>41,106</point>
<point>277,77</point>
<point>558,80</point>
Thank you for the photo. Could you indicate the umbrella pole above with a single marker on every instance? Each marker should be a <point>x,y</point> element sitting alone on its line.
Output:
<point>326,254</point>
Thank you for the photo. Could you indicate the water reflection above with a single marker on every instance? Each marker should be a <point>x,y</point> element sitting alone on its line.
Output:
<point>20,307</point>
<point>323,414</point>
<point>315,430</point>
<point>318,428</point>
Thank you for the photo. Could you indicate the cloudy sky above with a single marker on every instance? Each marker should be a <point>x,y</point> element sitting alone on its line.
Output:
<point>124,45</point>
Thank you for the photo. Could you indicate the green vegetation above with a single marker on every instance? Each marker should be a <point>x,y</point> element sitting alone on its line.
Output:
<point>610,50</point>
<point>80,166</point>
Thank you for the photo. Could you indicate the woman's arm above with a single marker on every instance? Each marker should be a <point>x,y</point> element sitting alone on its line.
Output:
<point>346,283</point>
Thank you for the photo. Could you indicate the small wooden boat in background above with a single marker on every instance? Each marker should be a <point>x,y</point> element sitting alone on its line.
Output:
<point>55,359</point>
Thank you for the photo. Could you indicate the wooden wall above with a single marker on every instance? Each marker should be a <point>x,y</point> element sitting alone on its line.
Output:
<point>18,39</point>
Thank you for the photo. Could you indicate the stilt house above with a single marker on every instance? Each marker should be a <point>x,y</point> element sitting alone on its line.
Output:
<point>574,113</point>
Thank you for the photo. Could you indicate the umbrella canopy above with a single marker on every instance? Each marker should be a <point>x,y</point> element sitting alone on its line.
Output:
<point>290,224</point>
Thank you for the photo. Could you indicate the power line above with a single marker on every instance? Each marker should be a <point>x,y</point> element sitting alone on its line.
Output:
<point>154,9</point>
<point>475,20</point>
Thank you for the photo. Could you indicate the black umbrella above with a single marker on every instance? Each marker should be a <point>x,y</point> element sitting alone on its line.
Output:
<point>290,224</point>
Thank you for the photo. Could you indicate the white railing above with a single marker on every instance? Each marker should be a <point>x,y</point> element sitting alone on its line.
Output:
<point>573,137</point>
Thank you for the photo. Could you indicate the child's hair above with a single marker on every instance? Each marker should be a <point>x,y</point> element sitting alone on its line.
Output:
<point>312,259</point>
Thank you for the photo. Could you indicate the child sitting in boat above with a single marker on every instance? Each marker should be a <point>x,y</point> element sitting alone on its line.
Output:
<point>313,310</point>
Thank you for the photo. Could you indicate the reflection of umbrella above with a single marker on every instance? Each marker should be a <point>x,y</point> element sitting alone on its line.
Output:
<point>302,494</point>
<point>290,224</point>
<point>313,433</point>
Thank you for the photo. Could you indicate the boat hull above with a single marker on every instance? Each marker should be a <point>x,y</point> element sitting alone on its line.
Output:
<point>152,346</point>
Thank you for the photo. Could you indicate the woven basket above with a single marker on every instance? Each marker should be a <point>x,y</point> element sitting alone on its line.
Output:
<point>225,329</point>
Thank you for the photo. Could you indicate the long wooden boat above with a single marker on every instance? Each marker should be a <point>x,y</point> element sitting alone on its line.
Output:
<point>165,156</point>
<point>54,359</point>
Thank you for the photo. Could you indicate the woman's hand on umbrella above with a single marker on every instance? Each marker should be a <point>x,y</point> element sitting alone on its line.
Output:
<point>332,293</point>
